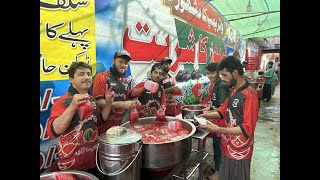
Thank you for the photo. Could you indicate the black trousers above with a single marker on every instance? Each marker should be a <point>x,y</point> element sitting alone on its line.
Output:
<point>267,92</point>
<point>216,151</point>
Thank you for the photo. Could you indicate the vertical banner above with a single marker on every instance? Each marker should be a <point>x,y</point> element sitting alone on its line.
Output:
<point>253,63</point>
<point>67,34</point>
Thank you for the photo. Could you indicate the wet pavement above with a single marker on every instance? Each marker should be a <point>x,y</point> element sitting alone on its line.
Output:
<point>265,163</point>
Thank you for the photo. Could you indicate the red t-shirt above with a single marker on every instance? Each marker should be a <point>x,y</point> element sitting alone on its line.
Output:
<point>240,109</point>
<point>121,89</point>
<point>77,145</point>
<point>150,103</point>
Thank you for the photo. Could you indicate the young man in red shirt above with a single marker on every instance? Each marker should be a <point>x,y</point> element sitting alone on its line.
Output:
<point>241,112</point>
<point>150,102</point>
<point>75,119</point>
<point>218,93</point>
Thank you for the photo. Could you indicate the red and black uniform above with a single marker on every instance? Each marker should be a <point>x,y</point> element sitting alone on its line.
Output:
<point>150,103</point>
<point>218,93</point>
<point>77,145</point>
<point>121,89</point>
<point>240,109</point>
<point>167,81</point>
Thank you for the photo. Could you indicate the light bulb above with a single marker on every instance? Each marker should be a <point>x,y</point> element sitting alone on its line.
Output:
<point>249,7</point>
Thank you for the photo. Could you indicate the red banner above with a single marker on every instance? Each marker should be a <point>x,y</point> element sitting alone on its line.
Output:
<point>253,63</point>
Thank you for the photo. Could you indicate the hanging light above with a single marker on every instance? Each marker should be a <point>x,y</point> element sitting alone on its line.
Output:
<point>259,21</point>
<point>249,7</point>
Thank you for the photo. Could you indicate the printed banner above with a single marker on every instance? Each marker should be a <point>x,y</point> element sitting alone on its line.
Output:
<point>67,34</point>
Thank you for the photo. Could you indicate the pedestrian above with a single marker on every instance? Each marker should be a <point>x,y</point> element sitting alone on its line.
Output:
<point>241,114</point>
<point>151,102</point>
<point>268,78</point>
<point>75,119</point>
<point>115,77</point>
<point>218,92</point>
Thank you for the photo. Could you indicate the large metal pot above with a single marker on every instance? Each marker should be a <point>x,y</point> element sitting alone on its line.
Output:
<point>188,111</point>
<point>168,154</point>
<point>120,156</point>
<point>77,174</point>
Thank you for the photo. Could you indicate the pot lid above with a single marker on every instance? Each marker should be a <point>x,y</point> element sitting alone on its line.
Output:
<point>120,135</point>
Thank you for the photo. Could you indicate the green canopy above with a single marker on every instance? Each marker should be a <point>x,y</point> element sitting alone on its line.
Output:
<point>262,22</point>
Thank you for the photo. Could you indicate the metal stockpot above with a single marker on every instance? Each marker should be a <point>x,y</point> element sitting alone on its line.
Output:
<point>188,111</point>
<point>168,154</point>
<point>119,157</point>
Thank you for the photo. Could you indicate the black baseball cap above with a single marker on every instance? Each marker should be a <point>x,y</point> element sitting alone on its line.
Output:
<point>165,59</point>
<point>245,62</point>
<point>270,62</point>
<point>120,53</point>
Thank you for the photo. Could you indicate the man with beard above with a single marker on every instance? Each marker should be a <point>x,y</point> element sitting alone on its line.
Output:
<point>151,102</point>
<point>74,120</point>
<point>218,93</point>
<point>169,86</point>
<point>115,77</point>
<point>241,112</point>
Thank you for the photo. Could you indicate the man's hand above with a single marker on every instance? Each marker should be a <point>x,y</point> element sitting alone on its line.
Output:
<point>172,89</point>
<point>206,109</point>
<point>207,114</point>
<point>109,94</point>
<point>210,128</point>
<point>130,104</point>
<point>79,99</point>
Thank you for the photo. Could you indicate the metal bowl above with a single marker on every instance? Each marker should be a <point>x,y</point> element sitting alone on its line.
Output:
<point>254,84</point>
<point>188,111</point>
<point>79,175</point>
<point>168,154</point>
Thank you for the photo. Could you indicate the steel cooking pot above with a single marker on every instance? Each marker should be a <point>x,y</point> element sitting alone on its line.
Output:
<point>254,84</point>
<point>189,111</point>
<point>166,154</point>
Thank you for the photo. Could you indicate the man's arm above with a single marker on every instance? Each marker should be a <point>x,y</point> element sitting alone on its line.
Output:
<point>109,95</point>
<point>61,123</point>
<point>211,114</point>
<point>137,90</point>
<point>226,130</point>
<point>269,74</point>
<point>171,89</point>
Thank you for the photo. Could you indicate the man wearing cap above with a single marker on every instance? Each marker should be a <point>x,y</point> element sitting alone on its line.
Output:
<point>151,101</point>
<point>115,77</point>
<point>268,78</point>
<point>168,84</point>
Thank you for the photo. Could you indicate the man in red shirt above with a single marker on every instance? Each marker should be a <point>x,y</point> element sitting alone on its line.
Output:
<point>115,77</point>
<point>151,102</point>
<point>241,112</point>
<point>74,120</point>
<point>218,92</point>
<point>169,87</point>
